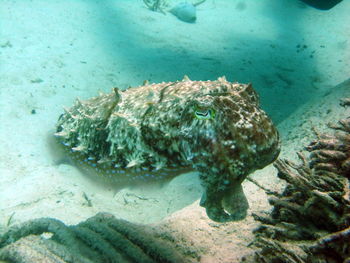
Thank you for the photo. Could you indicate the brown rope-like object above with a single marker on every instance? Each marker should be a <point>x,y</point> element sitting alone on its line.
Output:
<point>100,239</point>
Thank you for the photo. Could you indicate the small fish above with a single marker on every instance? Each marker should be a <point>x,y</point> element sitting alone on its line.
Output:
<point>186,11</point>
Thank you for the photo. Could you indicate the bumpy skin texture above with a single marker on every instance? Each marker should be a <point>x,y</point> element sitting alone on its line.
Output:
<point>214,127</point>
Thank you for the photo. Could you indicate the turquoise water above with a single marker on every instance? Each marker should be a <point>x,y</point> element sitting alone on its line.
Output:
<point>52,52</point>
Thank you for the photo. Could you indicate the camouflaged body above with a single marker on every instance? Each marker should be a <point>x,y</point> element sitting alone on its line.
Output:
<point>156,126</point>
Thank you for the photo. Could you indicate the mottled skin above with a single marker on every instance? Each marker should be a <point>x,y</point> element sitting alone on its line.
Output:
<point>214,127</point>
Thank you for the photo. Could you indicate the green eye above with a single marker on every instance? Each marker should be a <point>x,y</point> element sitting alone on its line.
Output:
<point>204,114</point>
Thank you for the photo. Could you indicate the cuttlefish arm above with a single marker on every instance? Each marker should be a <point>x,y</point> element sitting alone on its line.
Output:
<point>229,204</point>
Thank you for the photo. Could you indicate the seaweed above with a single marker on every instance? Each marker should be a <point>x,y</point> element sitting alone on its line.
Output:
<point>157,5</point>
<point>310,219</point>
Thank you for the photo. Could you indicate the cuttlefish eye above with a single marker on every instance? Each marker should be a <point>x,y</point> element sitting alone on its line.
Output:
<point>204,114</point>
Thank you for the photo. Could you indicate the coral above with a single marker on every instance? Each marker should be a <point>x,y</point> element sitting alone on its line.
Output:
<point>160,130</point>
<point>101,238</point>
<point>310,220</point>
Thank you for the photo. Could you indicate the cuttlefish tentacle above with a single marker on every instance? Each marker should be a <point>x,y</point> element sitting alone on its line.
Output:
<point>229,204</point>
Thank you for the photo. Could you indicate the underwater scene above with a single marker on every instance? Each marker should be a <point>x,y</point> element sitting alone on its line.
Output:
<point>211,131</point>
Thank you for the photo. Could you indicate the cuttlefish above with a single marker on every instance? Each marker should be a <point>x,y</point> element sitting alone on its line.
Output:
<point>162,130</point>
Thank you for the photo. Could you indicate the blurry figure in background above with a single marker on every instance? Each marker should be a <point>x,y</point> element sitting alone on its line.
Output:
<point>184,11</point>
<point>322,4</point>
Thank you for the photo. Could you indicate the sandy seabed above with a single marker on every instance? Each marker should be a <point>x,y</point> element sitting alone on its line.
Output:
<point>54,51</point>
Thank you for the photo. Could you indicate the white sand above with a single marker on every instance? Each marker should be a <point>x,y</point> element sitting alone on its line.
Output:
<point>54,51</point>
